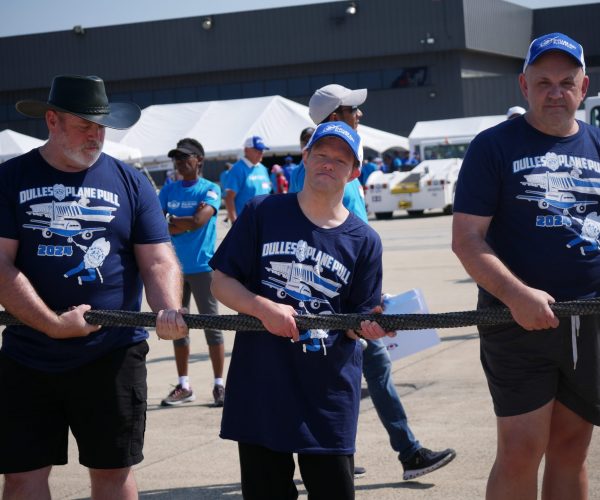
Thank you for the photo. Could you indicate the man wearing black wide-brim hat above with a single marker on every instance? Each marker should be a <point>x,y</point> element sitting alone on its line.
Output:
<point>79,230</point>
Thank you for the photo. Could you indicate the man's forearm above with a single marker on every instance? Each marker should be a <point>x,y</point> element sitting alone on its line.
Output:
<point>234,295</point>
<point>230,206</point>
<point>161,274</point>
<point>530,307</point>
<point>488,271</point>
<point>19,298</point>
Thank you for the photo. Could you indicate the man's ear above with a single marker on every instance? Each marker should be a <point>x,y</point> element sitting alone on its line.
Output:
<point>304,156</point>
<point>51,119</point>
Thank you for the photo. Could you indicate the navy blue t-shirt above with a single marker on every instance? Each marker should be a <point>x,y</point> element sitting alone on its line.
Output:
<point>76,234</point>
<point>298,397</point>
<point>543,193</point>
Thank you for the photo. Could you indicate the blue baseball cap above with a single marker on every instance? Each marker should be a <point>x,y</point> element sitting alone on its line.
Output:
<point>554,41</point>
<point>341,130</point>
<point>255,142</point>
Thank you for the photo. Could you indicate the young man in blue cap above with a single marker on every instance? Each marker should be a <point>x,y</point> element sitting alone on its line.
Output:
<point>289,391</point>
<point>247,178</point>
<point>525,251</point>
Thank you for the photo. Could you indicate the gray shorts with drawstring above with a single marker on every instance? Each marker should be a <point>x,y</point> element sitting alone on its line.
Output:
<point>527,369</point>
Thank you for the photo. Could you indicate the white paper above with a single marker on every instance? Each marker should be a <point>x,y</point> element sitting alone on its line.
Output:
<point>407,342</point>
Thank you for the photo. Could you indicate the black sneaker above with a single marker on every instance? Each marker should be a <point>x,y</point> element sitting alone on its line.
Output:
<point>425,461</point>
<point>359,472</point>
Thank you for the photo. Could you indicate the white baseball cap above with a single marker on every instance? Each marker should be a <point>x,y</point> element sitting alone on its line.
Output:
<point>327,99</point>
<point>515,110</point>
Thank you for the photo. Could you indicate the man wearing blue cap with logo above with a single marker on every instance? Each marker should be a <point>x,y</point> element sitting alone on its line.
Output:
<point>291,391</point>
<point>247,178</point>
<point>526,228</point>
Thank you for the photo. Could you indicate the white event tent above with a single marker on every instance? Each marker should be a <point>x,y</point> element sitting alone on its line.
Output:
<point>222,127</point>
<point>125,153</point>
<point>459,129</point>
<point>453,128</point>
<point>14,144</point>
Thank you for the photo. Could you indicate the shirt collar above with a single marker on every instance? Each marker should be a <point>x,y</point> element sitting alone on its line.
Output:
<point>247,162</point>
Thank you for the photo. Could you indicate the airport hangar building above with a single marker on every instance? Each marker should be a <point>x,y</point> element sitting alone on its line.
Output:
<point>420,59</point>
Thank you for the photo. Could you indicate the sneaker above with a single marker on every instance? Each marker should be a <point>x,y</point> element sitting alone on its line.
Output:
<point>178,395</point>
<point>425,461</point>
<point>219,394</point>
<point>359,472</point>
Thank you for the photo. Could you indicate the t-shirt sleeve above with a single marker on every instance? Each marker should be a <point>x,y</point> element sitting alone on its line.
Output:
<point>150,225</point>
<point>297,179</point>
<point>478,185</point>
<point>163,197</point>
<point>236,255</point>
<point>234,179</point>
<point>365,292</point>
<point>8,221</point>
<point>212,197</point>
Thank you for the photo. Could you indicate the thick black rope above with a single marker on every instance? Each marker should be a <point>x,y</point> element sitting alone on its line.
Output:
<point>389,322</point>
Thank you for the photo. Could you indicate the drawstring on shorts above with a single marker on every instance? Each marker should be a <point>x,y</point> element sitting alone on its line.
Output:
<point>575,324</point>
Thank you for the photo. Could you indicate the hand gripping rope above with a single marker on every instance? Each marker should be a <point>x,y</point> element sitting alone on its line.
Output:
<point>389,322</point>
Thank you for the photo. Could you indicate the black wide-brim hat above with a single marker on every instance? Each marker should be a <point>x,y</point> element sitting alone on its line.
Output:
<point>85,97</point>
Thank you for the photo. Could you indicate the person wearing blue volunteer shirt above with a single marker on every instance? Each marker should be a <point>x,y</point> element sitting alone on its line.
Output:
<point>526,228</point>
<point>334,102</point>
<point>291,391</point>
<point>367,169</point>
<point>191,207</point>
<point>79,230</point>
<point>247,178</point>
<point>288,167</point>
<point>223,175</point>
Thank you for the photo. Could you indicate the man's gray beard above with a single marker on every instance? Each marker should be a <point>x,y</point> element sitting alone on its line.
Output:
<point>82,159</point>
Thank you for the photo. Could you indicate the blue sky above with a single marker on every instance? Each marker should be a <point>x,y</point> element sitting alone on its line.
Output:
<point>20,17</point>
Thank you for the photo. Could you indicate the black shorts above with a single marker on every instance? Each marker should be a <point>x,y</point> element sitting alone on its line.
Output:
<point>527,369</point>
<point>103,403</point>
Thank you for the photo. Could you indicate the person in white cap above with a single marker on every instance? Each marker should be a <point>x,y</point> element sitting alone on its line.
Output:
<point>247,178</point>
<point>327,104</point>
<point>526,229</point>
<point>514,112</point>
<point>336,103</point>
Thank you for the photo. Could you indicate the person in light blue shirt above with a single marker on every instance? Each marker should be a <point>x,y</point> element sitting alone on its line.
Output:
<point>288,167</point>
<point>191,206</point>
<point>247,178</point>
<point>321,111</point>
<point>223,175</point>
<point>367,169</point>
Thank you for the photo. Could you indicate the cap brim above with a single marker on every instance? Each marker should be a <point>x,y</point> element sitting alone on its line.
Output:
<point>122,114</point>
<point>184,151</point>
<point>355,154</point>
<point>354,98</point>
<point>553,49</point>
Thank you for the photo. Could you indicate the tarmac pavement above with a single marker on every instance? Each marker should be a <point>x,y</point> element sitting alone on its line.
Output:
<point>443,390</point>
